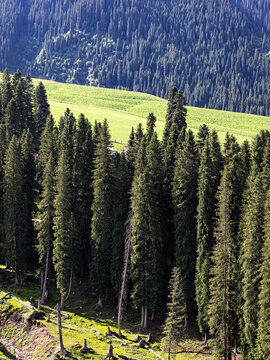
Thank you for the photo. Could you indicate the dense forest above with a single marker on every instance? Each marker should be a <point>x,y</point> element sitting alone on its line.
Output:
<point>71,210</point>
<point>216,51</point>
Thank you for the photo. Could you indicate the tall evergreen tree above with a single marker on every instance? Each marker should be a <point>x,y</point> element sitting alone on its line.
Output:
<point>16,219</point>
<point>102,209</point>
<point>45,235</point>
<point>252,230</point>
<point>41,110</point>
<point>12,120</point>
<point>2,158</point>
<point>63,251</point>
<point>176,112</point>
<point>150,125</point>
<point>82,183</point>
<point>223,287</point>
<point>175,316</point>
<point>263,334</point>
<point>185,201</point>
<point>209,176</point>
<point>6,90</point>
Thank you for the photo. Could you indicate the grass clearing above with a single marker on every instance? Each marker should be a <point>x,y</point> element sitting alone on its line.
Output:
<point>84,318</point>
<point>125,109</point>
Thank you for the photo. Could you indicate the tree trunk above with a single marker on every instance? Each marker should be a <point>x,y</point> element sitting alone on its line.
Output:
<point>45,277</point>
<point>62,349</point>
<point>186,321</point>
<point>145,317</point>
<point>62,302</point>
<point>205,337</point>
<point>70,285</point>
<point>142,316</point>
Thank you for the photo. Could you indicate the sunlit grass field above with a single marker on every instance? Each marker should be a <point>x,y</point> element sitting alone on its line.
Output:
<point>125,109</point>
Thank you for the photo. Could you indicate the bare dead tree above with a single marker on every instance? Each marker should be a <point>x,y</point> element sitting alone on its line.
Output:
<point>126,270</point>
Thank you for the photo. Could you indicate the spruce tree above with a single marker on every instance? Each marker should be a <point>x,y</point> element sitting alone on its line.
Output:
<point>202,135</point>
<point>102,210</point>
<point>12,121</point>
<point>209,176</point>
<point>41,110</point>
<point>63,251</point>
<point>251,257</point>
<point>263,334</point>
<point>82,183</point>
<point>2,157</point>
<point>223,285</point>
<point>266,166</point>
<point>6,90</point>
<point>150,125</point>
<point>16,218</point>
<point>45,235</point>
<point>175,315</point>
<point>185,201</point>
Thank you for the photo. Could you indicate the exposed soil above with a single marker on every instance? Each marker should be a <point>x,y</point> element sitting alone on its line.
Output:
<point>26,340</point>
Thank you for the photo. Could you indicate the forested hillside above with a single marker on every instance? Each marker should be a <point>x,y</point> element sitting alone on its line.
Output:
<point>216,51</point>
<point>72,210</point>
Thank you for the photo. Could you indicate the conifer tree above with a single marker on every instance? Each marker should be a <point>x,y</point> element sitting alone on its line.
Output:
<point>45,235</point>
<point>252,232</point>
<point>185,201</point>
<point>175,316</point>
<point>202,135</point>
<point>16,79</point>
<point>223,285</point>
<point>209,176</point>
<point>16,219</point>
<point>147,256</point>
<point>82,183</point>
<point>28,171</point>
<point>6,90</point>
<point>266,166</point>
<point>102,210</point>
<point>258,148</point>
<point>2,157</point>
<point>41,110</point>
<point>150,125</point>
<point>230,148</point>
<point>12,121</point>
<point>263,334</point>
<point>176,112</point>
<point>63,251</point>
<point>121,210</point>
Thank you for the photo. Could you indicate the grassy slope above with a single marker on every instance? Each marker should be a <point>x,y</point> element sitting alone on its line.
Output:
<point>125,109</point>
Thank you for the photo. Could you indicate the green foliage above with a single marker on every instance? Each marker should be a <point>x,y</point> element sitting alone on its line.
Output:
<point>185,201</point>
<point>102,210</point>
<point>175,316</point>
<point>263,335</point>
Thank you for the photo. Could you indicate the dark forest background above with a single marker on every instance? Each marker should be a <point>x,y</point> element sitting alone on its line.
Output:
<point>216,51</point>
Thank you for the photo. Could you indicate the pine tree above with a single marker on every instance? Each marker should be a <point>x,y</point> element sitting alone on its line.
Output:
<point>223,286</point>
<point>175,316</point>
<point>28,171</point>
<point>121,210</point>
<point>209,176</point>
<point>41,110</point>
<point>185,201</point>
<point>252,230</point>
<point>263,334</point>
<point>102,210</point>
<point>176,112</point>
<point>6,90</point>
<point>12,121</point>
<point>14,209</point>
<point>202,135</point>
<point>266,166</point>
<point>63,250</point>
<point>3,146</point>
<point>45,235</point>
<point>150,125</point>
<point>82,183</point>
<point>258,148</point>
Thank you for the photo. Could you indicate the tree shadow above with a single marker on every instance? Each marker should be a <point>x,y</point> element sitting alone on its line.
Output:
<point>6,352</point>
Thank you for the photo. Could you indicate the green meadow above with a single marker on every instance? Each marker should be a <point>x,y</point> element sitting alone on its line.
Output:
<point>125,109</point>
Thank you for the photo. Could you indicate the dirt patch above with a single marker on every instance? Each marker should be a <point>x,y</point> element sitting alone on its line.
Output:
<point>26,340</point>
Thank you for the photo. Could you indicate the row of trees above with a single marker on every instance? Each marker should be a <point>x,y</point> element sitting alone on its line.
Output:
<point>216,51</point>
<point>188,204</point>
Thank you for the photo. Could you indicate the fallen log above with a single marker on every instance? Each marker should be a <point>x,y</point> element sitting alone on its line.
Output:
<point>67,327</point>
<point>99,333</point>
<point>125,357</point>
<point>153,352</point>
<point>5,296</point>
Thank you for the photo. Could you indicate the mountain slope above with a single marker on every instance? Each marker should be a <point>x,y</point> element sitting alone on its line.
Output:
<point>216,51</point>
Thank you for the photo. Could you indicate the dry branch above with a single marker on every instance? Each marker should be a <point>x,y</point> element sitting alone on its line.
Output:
<point>125,357</point>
